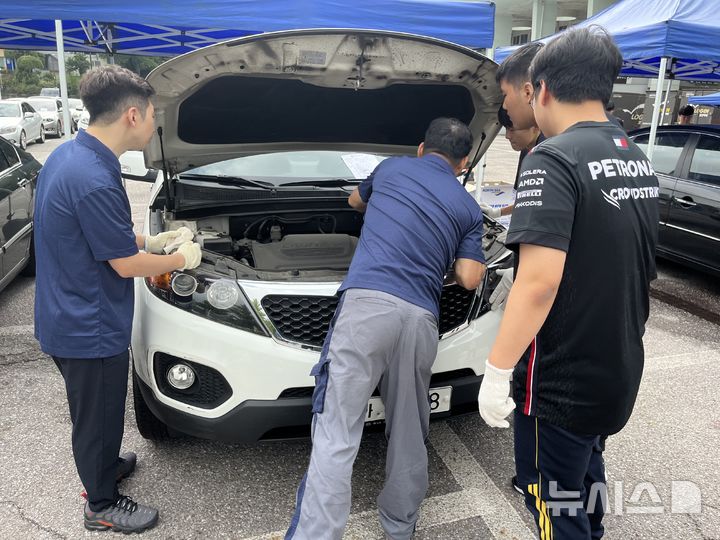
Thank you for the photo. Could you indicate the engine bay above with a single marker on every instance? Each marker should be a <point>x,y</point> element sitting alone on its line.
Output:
<point>293,241</point>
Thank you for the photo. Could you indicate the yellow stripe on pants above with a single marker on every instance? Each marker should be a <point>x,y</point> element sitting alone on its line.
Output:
<point>544,523</point>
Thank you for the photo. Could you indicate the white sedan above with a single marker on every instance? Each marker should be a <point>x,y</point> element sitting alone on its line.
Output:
<point>20,123</point>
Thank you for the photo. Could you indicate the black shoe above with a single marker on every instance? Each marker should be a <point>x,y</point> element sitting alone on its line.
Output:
<point>126,465</point>
<point>124,516</point>
<point>516,486</point>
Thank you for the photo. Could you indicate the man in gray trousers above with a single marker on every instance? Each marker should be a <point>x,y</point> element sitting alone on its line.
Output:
<point>419,221</point>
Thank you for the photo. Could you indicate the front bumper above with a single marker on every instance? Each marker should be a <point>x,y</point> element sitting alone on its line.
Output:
<point>50,126</point>
<point>285,418</point>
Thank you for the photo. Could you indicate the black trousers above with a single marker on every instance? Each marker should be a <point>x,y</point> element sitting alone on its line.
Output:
<point>96,390</point>
<point>563,477</point>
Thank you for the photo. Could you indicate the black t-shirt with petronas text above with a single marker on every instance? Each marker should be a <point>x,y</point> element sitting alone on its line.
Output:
<point>592,193</point>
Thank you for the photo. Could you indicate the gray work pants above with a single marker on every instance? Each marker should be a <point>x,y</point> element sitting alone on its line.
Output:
<point>375,338</point>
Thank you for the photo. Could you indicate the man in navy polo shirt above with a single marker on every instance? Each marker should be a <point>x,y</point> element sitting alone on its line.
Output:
<point>419,221</point>
<point>87,255</point>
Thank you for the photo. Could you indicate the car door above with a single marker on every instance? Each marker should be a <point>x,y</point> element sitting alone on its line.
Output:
<point>668,159</point>
<point>694,216</point>
<point>15,209</point>
<point>32,125</point>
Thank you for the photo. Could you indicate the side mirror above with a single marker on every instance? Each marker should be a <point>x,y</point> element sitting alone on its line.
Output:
<point>132,167</point>
<point>29,115</point>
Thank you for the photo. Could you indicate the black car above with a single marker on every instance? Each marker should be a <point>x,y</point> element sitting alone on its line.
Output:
<point>18,172</point>
<point>686,160</point>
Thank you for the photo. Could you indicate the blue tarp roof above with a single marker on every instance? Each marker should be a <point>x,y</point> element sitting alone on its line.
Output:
<point>159,27</point>
<point>646,30</point>
<point>710,99</point>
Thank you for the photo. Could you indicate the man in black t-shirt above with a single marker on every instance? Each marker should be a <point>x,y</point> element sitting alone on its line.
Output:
<point>584,230</point>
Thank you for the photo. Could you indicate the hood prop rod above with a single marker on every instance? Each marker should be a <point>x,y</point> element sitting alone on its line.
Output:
<point>473,162</point>
<point>169,198</point>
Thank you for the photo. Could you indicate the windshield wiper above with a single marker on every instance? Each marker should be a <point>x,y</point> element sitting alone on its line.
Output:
<point>229,180</point>
<point>337,182</point>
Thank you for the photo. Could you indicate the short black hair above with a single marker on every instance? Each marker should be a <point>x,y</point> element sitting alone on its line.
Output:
<point>504,118</point>
<point>578,65</point>
<point>687,110</point>
<point>610,105</point>
<point>515,69</point>
<point>449,137</point>
<point>108,91</point>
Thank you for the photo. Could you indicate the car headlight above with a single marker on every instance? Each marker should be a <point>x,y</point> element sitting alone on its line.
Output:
<point>8,129</point>
<point>207,295</point>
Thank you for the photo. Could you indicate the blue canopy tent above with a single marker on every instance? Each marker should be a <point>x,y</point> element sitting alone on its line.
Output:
<point>158,27</point>
<point>710,99</point>
<point>679,39</point>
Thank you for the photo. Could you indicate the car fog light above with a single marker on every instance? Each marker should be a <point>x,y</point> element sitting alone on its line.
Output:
<point>223,294</point>
<point>181,376</point>
<point>184,285</point>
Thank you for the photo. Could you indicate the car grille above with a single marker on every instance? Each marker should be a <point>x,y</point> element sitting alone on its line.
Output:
<point>305,319</point>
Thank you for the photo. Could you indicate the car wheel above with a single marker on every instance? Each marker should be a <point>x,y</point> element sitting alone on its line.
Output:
<point>29,270</point>
<point>23,140</point>
<point>148,424</point>
<point>41,138</point>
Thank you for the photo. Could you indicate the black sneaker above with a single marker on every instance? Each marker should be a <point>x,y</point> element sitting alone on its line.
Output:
<point>124,516</point>
<point>126,465</point>
<point>516,486</point>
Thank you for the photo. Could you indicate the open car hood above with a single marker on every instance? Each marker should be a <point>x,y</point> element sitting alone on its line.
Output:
<point>348,90</point>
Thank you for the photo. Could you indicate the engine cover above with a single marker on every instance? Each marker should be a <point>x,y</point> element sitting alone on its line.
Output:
<point>306,252</point>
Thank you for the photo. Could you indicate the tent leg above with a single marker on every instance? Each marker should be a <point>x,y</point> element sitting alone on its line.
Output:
<point>665,103</point>
<point>656,108</point>
<point>66,119</point>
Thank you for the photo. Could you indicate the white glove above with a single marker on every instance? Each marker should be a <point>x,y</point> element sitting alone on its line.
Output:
<point>489,211</point>
<point>193,255</point>
<point>494,401</point>
<point>157,244</point>
<point>501,292</point>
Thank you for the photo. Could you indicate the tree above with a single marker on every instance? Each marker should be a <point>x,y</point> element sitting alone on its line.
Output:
<point>78,62</point>
<point>142,65</point>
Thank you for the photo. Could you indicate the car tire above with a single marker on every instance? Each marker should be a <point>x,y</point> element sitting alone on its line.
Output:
<point>23,140</point>
<point>148,424</point>
<point>41,138</point>
<point>29,270</point>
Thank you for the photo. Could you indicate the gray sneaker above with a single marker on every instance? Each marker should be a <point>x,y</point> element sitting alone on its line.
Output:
<point>125,516</point>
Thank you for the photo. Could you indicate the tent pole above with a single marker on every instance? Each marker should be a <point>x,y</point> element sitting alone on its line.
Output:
<point>656,108</point>
<point>63,78</point>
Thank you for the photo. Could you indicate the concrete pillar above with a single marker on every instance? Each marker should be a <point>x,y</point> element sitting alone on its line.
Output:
<point>543,18</point>
<point>503,30</point>
<point>596,6</point>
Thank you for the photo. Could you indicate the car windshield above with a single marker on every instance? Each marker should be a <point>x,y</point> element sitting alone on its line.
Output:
<point>43,104</point>
<point>9,110</point>
<point>289,167</point>
<point>75,103</point>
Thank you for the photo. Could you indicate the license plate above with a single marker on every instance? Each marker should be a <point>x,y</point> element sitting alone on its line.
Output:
<point>439,402</point>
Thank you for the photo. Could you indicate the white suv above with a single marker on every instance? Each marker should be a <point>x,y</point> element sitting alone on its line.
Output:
<point>260,141</point>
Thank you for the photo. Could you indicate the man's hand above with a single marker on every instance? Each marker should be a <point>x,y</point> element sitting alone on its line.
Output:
<point>156,244</point>
<point>355,200</point>
<point>494,401</point>
<point>500,294</point>
<point>193,255</point>
<point>489,211</point>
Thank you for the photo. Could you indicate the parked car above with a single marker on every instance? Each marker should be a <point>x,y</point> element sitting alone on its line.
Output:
<point>686,160</point>
<point>76,109</point>
<point>50,92</point>
<point>18,173</point>
<point>51,110</point>
<point>84,119</point>
<point>20,123</point>
<point>263,139</point>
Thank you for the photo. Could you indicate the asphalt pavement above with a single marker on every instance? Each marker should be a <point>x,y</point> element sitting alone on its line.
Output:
<point>663,468</point>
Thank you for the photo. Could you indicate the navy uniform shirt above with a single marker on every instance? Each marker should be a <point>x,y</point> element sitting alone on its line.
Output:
<point>83,308</point>
<point>591,193</point>
<point>419,219</point>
